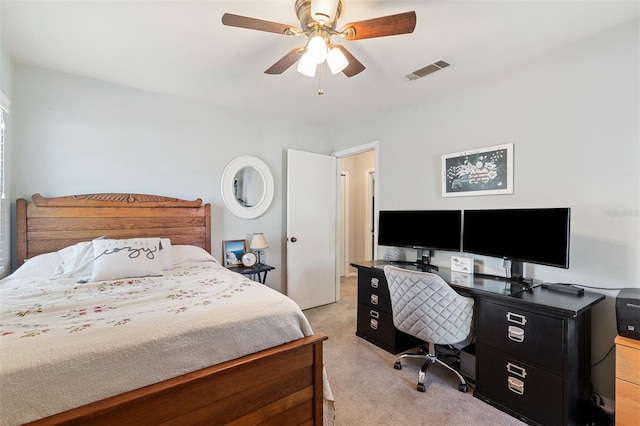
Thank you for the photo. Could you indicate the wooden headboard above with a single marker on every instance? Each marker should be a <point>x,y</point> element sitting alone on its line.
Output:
<point>50,224</point>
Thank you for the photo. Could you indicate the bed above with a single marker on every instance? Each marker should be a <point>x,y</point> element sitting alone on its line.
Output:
<point>84,342</point>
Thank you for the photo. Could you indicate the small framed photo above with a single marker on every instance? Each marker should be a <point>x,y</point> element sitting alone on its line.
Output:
<point>483,171</point>
<point>233,250</point>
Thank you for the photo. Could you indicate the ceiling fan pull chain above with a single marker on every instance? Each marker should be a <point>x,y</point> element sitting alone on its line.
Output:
<point>320,89</point>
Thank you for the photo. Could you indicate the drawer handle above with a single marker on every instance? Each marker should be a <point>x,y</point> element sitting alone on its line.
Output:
<point>516,333</point>
<point>517,370</point>
<point>374,314</point>
<point>374,282</point>
<point>374,299</point>
<point>515,385</point>
<point>373,324</point>
<point>516,318</point>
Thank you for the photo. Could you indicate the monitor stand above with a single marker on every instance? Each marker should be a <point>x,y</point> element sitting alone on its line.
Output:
<point>514,269</point>
<point>424,260</point>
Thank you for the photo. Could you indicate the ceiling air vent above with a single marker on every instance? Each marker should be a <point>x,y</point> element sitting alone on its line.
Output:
<point>429,69</point>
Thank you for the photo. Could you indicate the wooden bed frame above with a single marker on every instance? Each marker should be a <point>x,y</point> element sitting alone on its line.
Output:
<point>281,385</point>
<point>49,224</point>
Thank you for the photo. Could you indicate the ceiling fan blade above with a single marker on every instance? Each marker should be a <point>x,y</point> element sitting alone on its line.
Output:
<point>402,23</point>
<point>257,24</point>
<point>286,61</point>
<point>354,67</point>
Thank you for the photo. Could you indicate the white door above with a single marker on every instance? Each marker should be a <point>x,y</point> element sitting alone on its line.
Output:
<point>343,227</point>
<point>311,228</point>
<point>369,213</point>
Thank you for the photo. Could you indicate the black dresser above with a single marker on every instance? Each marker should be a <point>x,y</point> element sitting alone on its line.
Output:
<point>533,347</point>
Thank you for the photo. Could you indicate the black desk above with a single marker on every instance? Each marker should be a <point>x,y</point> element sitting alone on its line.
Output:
<point>533,346</point>
<point>257,271</point>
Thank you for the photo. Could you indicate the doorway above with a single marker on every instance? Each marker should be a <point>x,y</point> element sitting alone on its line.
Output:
<point>357,210</point>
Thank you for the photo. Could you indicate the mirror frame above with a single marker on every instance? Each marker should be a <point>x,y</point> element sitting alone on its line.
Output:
<point>226,186</point>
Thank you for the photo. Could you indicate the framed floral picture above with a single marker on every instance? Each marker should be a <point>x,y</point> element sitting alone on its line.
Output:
<point>233,250</point>
<point>484,171</point>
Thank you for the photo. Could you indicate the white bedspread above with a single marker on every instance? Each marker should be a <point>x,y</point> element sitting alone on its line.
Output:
<point>64,344</point>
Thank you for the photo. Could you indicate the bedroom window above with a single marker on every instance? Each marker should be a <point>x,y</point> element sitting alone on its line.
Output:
<point>2,194</point>
<point>4,213</point>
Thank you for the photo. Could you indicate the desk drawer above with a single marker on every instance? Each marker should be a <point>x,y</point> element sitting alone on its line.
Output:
<point>376,325</point>
<point>373,291</point>
<point>535,338</point>
<point>627,381</point>
<point>627,403</point>
<point>528,390</point>
<point>627,362</point>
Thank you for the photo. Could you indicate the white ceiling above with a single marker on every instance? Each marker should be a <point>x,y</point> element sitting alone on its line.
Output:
<point>181,48</point>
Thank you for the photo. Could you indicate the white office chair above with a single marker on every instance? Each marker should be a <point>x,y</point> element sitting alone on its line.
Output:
<point>424,306</point>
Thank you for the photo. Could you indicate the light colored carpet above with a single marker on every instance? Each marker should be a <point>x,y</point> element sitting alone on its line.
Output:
<point>369,391</point>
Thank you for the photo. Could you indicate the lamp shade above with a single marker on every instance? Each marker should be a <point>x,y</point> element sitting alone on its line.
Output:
<point>258,242</point>
<point>336,60</point>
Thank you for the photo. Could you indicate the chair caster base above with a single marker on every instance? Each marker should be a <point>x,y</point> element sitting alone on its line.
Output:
<point>463,387</point>
<point>420,387</point>
<point>397,365</point>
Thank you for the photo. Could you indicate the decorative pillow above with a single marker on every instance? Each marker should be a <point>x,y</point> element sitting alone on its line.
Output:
<point>185,253</point>
<point>117,259</point>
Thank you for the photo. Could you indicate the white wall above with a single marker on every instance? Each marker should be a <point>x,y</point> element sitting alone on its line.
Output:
<point>76,135</point>
<point>573,119</point>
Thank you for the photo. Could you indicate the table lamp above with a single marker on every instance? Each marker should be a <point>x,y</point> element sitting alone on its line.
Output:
<point>258,243</point>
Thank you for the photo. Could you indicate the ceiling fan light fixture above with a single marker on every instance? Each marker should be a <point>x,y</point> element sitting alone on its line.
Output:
<point>336,60</point>
<point>323,11</point>
<point>307,66</point>
<point>317,49</point>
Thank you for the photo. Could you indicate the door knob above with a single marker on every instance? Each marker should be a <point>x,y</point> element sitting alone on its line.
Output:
<point>293,239</point>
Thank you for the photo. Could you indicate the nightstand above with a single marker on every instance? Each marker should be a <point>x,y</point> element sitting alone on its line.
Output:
<point>258,271</point>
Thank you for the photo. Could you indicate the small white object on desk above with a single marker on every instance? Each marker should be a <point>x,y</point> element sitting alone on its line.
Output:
<point>462,264</point>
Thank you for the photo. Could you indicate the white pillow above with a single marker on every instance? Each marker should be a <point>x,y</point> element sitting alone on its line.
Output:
<point>185,253</point>
<point>76,260</point>
<point>117,259</point>
<point>43,265</point>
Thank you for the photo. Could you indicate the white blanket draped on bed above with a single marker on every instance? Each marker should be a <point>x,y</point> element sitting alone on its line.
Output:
<point>64,344</point>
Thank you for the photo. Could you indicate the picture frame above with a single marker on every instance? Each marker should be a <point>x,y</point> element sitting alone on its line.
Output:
<point>482,171</point>
<point>232,252</point>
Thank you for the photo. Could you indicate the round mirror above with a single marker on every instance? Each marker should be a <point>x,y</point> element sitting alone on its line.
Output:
<point>247,186</point>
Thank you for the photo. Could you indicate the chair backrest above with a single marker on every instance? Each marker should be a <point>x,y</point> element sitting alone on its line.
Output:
<point>426,307</point>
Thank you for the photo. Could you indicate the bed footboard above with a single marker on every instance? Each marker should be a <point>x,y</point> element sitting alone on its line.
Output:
<point>281,385</point>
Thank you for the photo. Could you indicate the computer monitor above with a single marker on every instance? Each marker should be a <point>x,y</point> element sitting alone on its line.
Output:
<point>533,235</point>
<point>424,230</point>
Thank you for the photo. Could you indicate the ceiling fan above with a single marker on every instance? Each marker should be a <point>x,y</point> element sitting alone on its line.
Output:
<point>318,22</point>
